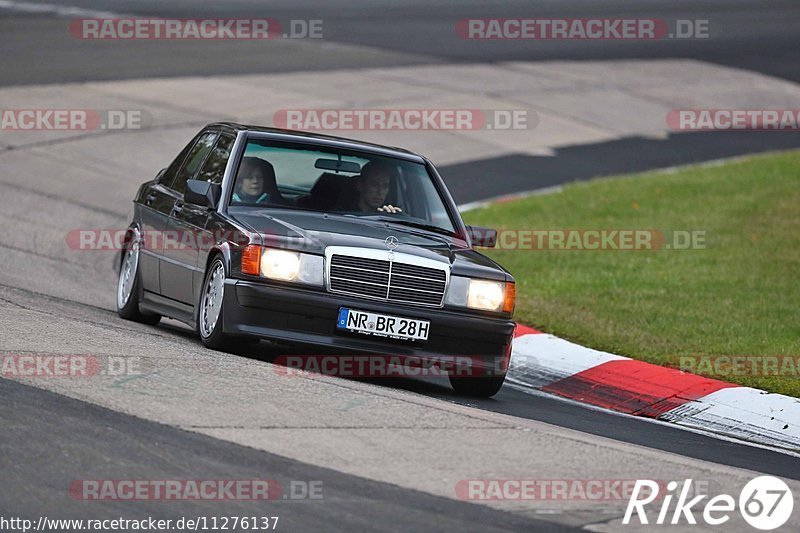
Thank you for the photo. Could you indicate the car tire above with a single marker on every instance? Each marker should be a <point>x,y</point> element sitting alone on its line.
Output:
<point>479,387</point>
<point>129,285</point>
<point>210,309</point>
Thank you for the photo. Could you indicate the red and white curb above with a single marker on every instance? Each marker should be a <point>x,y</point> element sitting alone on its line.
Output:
<point>549,364</point>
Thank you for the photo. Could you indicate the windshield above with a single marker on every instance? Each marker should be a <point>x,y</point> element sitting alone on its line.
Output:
<point>302,176</point>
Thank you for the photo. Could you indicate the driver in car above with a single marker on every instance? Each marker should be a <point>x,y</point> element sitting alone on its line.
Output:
<point>250,181</point>
<point>373,188</point>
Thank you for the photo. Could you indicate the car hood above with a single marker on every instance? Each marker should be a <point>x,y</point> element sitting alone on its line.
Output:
<point>312,232</point>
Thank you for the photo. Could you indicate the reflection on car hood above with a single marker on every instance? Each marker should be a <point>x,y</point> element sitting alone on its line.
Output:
<point>312,232</point>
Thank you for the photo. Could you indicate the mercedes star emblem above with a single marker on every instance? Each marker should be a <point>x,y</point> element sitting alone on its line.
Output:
<point>391,242</point>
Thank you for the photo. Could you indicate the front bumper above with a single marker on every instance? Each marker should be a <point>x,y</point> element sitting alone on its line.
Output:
<point>307,317</point>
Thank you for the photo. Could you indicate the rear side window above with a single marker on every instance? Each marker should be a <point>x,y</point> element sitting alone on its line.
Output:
<point>214,167</point>
<point>193,161</point>
<point>169,173</point>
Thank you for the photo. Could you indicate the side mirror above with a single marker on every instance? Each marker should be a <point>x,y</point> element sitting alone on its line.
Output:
<point>202,193</point>
<point>482,237</point>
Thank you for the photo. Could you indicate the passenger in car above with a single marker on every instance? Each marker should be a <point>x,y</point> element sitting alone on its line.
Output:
<point>372,187</point>
<point>255,182</point>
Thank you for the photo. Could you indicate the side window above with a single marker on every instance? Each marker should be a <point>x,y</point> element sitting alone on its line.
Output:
<point>169,174</point>
<point>214,167</point>
<point>193,161</point>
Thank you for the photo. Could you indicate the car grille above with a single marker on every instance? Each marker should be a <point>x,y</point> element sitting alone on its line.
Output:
<point>387,280</point>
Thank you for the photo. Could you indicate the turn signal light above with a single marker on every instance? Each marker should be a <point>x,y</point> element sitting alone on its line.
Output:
<point>510,297</point>
<point>251,260</point>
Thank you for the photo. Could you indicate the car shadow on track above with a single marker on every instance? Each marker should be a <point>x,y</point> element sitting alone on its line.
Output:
<point>277,354</point>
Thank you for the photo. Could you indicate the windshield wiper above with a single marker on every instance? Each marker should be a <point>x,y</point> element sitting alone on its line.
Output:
<point>411,223</point>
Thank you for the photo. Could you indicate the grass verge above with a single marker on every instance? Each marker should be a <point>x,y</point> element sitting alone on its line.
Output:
<point>738,295</point>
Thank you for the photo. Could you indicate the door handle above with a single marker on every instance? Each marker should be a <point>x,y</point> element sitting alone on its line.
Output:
<point>177,209</point>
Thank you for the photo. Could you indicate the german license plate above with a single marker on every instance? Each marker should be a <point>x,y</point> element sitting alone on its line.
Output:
<point>394,327</point>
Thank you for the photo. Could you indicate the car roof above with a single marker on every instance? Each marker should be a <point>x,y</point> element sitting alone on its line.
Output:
<point>354,144</point>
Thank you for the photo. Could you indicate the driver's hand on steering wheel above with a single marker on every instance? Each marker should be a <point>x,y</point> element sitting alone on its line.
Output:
<point>390,209</point>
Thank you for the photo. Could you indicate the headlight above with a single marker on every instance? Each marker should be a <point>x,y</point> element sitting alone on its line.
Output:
<point>486,295</point>
<point>283,265</point>
<point>280,264</point>
<point>482,294</point>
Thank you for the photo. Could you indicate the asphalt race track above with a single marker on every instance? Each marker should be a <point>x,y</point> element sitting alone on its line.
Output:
<point>160,451</point>
<point>390,32</point>
<point>388,453</point>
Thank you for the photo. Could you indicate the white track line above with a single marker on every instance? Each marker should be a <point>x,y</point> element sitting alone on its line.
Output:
<point>61,11</point>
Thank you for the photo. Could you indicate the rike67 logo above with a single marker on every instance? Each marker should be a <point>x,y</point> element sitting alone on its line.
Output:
<point>765,502</point>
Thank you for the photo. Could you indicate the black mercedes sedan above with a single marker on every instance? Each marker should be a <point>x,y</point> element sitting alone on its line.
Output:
<point>318,242</point>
